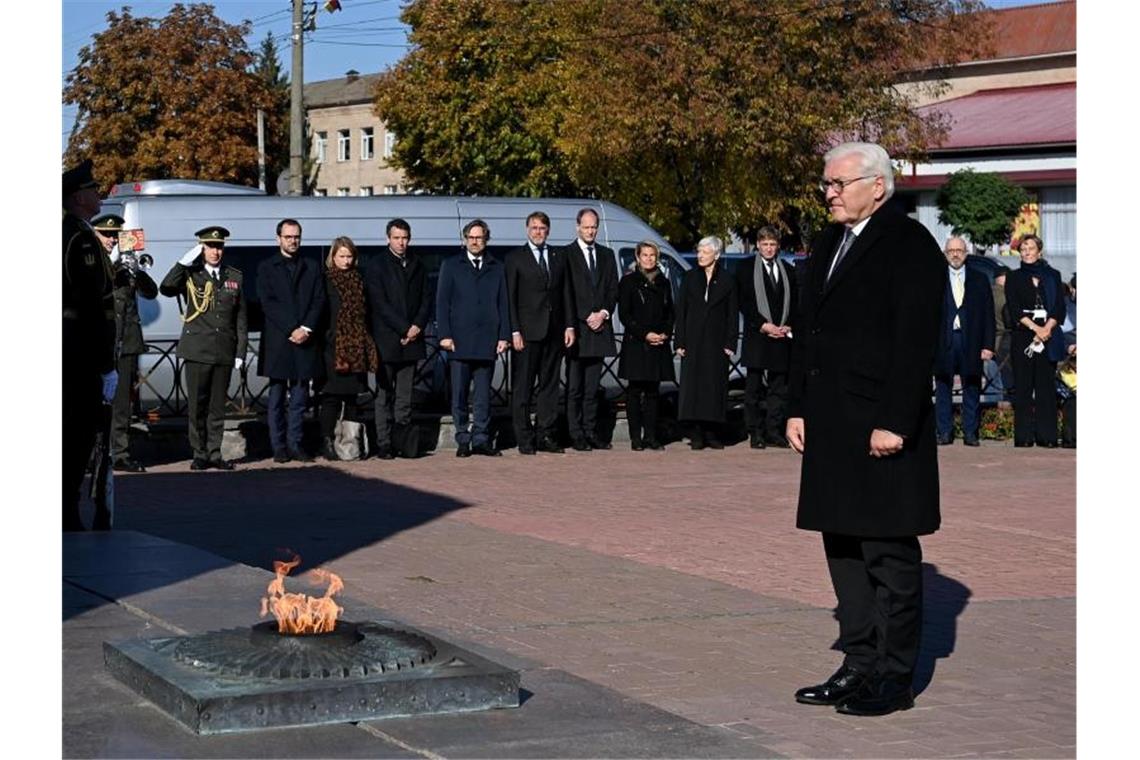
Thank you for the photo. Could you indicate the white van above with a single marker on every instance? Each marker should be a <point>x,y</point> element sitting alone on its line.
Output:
<point>170,211</point>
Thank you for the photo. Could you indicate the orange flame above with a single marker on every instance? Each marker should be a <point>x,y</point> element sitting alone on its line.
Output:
<point>299,613</point>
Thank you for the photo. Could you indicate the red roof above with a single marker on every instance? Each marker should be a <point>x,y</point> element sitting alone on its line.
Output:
<point>1010,116</point>
<point>1030,30</point>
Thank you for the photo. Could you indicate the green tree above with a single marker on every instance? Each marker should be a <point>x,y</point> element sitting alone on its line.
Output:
<point>169,97</point>
<point>703,116</point>
<point>980,205</point>
<point>267,66</point>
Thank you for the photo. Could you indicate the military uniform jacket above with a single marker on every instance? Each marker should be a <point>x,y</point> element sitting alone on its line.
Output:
<point>219,334</point>
<point>88,301</point>
<point>128,326</point>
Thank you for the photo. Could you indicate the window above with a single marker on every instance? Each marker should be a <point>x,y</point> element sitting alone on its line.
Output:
<point>321,145</point>
<point>389,144</point>
<point>389,189</point>
<point>320,192</point>
<point>366,150</point>
<point>342,192</point>
<point>343,145</point>
<point>366,191</point>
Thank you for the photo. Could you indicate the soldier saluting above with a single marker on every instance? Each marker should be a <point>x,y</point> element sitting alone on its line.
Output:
<point>213,339</point>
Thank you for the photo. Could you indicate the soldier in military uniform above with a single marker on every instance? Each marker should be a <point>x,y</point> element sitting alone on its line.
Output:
<point>213,339</point>
<point>89,376</point>
<point>128,283</point>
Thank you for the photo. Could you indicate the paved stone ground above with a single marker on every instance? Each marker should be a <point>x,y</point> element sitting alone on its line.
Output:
<point>676,579</point>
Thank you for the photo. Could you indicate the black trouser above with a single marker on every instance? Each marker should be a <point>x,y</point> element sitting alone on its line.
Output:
<point>1034,397</point>
<point>878,584</point>
<point>539,361</point>
<point>765,403</point>
<point>128,368</point>
<point>394,382</point>
<point>641,410</point>
<point>82,403</point>
<point>583,378</point>
<point>206,387</point>
<point>1069,421</point>
<point>331,405</point>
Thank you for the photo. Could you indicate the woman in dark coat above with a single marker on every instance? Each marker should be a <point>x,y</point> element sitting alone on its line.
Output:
<point>1035,302</point>
<point>349,353</point>
<point>645,306</point>
<point>706,332</point>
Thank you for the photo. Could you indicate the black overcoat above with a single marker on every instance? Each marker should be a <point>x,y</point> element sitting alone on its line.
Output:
<point>398,298</point>
<point>585,294</point>
<point>757,350</point>
<point>218,335</point>
<point>1021,296</point>
<point>127,324</point>
<point>471,307</point>
<point>976,318</point>
<point>289,302</point>
<point>645,306</point>
<point>705,329</point>
<point>862,360</point>
<point>339,383</point>
<point>88,302</point>
<point>536,300</point>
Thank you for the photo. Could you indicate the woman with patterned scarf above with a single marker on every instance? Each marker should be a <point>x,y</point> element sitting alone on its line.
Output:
<point>350,353</point>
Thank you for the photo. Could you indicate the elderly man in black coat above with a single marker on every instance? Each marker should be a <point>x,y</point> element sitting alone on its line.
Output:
<point>292,294</point>
<point>861,415</point>
<point>965,340</point>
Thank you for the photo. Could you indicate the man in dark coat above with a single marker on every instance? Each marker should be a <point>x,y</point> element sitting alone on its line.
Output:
<point>540,330</point>
<point>292,294</point>
<point>129,282</point>
<point>860,413</point>
<point>89,376</point>
<point>965,341</point>
<point>767,301</point>
<point>213,342</point>
<point>396,286</point>
<point>475,327</point>
<point>591,296</point>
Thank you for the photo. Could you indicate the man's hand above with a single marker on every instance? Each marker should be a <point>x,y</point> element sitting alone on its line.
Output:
<point>191,256</point>
<point>502,346</point>
<point>772,331</point>
<point>884,443</point>
<point>299,335</point>
<point>596,320</point>
<point>568,337</point>
<point>110,384</point>
<point>447,344</point>
<point>413,333</point>
<point>728,352</point>
<point>680,352</point>
<point>987,354</point>
<point>794,432</point>
<point>517,341</point>
<point>654,339</point>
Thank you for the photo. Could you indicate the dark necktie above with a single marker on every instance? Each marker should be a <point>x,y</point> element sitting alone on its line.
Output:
<point>216,276</point>
<point>772,272</point>
<point>542,262</point>
<point>844,246</point>
<point>478,262</point>
<point>593,264</point>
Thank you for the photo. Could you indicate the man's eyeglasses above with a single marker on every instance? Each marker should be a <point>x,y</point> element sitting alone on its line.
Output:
<point>840,184</point>
<point>290,237</point>
<point>476,237</point>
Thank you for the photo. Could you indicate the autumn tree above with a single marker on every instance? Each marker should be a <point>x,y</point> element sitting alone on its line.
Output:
<point>169,97</point>
<point>267,66</point>
<point>703,116</point>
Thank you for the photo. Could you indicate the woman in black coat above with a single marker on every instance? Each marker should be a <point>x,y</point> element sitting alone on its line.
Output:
<point>1035,301</point>
<point>706,333</point>
<point>645,306</point>
<point>349,353</point>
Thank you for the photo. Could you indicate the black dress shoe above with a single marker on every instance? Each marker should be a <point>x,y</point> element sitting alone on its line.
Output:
<point>548,444</point>
<point>713,442</point>
<point>778,441</point>
<point>463,451</point>
<point>971,441</point>
<point>880,696</point>
<point>637,445</point>
<point>301,455</point>
<point>581,444</point>
<point>281,456</point>
<point>842,684</point>
<point>127,465</point>
<point>598,443</point>
<point>1023,444</point>
<point>945,440</point>
<point>756,442</point>
<point>200,464</point>
<point>526,448</point>
<point>485,450</point>
<point>221,464</point>
<point>1047,444</point>
<point>385,453</point>
<point>654,444</point>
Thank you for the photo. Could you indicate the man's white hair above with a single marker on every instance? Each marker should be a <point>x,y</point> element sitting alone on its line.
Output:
<point>872,160</point>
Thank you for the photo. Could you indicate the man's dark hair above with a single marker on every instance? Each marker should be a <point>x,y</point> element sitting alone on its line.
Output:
<point>767,232</point>
<point>399,224</point>
<point>540,216</point>
<point>283,222</point>
<point>477,223</point>
<point>584,211</point>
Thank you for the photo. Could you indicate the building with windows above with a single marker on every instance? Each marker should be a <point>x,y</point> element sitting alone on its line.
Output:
<point>349,143</point>
<point>1015,113</point>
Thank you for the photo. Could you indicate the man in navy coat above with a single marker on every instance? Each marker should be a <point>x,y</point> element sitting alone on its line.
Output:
<point>965,341</point>
<point>474,325</point>
<point>292,294</point>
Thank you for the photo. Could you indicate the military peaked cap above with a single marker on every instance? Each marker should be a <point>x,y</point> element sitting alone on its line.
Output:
<point>108,223</point>
<point>213,234</point>
<point>79,178</point>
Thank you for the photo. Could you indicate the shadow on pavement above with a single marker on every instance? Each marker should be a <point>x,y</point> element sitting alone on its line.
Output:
<point>944,601</point>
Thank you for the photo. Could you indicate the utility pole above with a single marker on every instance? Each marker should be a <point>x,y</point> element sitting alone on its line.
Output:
<point>261,149</point>
<point>297,106</point>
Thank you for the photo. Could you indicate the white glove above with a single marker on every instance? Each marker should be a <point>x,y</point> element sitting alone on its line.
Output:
<point>114,254</point>
<point>238,362</point>
<point>191,256</point>
<point>110,383</point>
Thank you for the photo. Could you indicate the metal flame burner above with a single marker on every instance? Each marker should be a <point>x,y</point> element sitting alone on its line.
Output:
<point>245,679</point>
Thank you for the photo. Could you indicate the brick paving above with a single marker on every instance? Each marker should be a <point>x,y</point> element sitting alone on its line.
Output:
<point>678,579</point>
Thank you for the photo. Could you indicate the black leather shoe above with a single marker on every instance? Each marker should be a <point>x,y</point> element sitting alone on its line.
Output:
<point>581,444</point>
<point>945,440</point>
<point>597,443</point>
<point>880,696</point>
<point>696,444</point>
<point>526,449</point>
<point>221,464</point>
<point>637,445</point>
<point>778,441</point>
<point>715,443</point>
<point>1047,444</point>
<point>756,442</point>
<point>485,450</point>
<point>463,451</point>
<point>971,441</point>
<point>281,456</point>
<point>548,444</point>
<point>654,444</point>
<point>200,464</point>
<point>385,453</point>
<point>842,684</point>
<point>1023,444</point>
<point>1068,444</point>
<point>301,455</point>
<point>127,465</point>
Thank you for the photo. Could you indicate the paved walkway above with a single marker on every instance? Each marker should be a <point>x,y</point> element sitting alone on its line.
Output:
<point>677,579</point>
